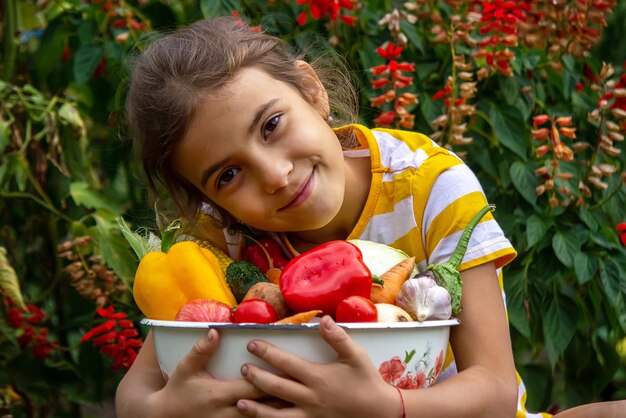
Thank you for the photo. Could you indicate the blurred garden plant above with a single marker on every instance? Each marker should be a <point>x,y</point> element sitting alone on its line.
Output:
<point>532,94</point>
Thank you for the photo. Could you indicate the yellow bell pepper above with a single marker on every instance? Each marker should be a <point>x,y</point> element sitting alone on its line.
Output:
<point>164,282</point>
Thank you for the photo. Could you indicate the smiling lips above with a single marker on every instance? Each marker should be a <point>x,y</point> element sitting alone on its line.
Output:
<point>301,194</point>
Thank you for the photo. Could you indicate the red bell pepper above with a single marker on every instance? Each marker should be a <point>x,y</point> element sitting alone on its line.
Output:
<point>265,253</point>
<point>324,276</point>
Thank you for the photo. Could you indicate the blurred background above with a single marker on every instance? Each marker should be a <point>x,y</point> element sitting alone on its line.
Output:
<point>531,94</point>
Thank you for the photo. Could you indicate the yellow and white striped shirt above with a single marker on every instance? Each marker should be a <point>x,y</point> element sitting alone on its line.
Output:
<point>422,196</point>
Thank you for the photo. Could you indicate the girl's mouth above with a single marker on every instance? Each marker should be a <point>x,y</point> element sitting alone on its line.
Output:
<point>302,194</point>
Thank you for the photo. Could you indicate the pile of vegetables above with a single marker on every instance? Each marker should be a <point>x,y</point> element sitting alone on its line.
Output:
<point>353,281</point>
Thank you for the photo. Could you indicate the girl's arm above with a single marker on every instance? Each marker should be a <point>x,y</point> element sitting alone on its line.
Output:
<point>484,387</point>
<point>189,392</point>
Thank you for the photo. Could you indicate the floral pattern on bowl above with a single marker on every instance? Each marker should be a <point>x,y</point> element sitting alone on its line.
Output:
<point>412,372</point>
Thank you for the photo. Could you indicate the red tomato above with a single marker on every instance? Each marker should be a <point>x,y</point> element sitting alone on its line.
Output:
<point>255,311</point>
<point>356,309</point>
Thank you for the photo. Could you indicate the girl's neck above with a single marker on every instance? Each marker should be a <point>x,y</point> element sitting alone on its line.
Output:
<point>358,179</point>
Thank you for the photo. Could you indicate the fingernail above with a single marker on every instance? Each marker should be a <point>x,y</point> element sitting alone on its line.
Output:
<point>251,347</point>
<point>330,324</point>
<point>244,370</point>
<point>241,405</point>
<point>209,335</point>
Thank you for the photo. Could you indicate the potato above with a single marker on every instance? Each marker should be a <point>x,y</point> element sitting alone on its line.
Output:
<point>270,293</point>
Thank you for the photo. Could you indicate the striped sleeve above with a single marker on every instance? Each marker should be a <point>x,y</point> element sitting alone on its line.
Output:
<point>454,198</point>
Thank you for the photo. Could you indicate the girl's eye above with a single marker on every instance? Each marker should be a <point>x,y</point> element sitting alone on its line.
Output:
<point>227,176</point>
<point>270,125</point>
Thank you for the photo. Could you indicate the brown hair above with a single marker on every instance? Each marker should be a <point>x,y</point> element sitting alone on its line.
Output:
<point>172,74</point>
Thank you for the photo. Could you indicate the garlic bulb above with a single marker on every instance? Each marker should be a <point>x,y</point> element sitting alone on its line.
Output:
<point>423,299</point>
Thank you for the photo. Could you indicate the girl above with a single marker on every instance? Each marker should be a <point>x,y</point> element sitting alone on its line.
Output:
<point>226,117</point>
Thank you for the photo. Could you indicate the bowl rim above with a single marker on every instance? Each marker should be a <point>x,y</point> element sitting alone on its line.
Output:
<point>309,325</point>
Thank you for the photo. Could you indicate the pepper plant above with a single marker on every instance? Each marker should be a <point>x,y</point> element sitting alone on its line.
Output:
<point>531,94</point>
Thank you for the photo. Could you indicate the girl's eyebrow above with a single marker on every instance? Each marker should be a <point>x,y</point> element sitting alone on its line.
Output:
<point>209,171</point>
<point>260,112</point>
<point>257,118</point>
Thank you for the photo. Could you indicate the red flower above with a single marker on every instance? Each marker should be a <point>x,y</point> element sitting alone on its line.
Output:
<point>408,382</point>
<point>332,9</point>
<point>36,314</point>
<point>385,119</point>
<point>438,365</point>
<point>390,52</point>
<point>392,370</point>
<point>117,338</point>
<point>621,228</point>
<point>15,319</point>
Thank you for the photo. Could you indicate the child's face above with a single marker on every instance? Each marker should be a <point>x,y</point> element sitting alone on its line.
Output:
<point>263,153</point>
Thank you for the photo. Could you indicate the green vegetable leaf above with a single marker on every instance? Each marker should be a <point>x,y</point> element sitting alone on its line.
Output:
<point>114,247</point>
<point>559,323</point>
<point>137,242</point>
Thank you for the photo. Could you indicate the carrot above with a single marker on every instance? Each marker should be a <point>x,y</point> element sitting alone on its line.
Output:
<point>300,318</point>
<point>393,279</point>
<point>270,293</point>
<point>273,274</point>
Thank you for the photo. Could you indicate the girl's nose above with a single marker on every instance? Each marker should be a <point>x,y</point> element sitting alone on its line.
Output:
<point>274,174</point>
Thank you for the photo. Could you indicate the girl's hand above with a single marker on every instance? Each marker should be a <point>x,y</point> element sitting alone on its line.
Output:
<point>349,387</point>
<point>192,392</point>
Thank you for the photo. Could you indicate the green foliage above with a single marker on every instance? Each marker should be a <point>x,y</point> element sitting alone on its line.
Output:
<point>67,174</point>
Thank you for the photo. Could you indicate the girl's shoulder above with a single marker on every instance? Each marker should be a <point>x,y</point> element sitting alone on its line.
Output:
<point>394,150</point>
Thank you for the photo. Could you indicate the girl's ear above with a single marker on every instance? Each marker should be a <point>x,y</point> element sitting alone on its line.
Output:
<point>315,88</point>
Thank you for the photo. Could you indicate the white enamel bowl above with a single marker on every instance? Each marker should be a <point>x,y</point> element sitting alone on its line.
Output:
<point>407,354</point>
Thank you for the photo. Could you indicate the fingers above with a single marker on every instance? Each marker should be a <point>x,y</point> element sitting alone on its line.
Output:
<point>251,408</point>
<point>268,382</point>
<point>339,340</point>
<point>201,352</point>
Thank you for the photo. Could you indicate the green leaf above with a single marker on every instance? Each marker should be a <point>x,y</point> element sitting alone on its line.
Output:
<point>168,235</point>
<point>9,283</point>
<point>412,35</point>
<point>14,167</point>
<point>515,306</point>
<point>114,248</point>
<point>213,8</point>
<point>585,267</point>
<point>524,180</point>
<point>566,246</point>
<point>588,218</point>
<point>535,230</point>
<point>610,278</point>
<point>85,62</point>
<point>559,324</point>
<point>509,127</point>
<point>48,56</point>
<point>5,135</point>
<point>69,114</point>
<point>87,31</point>
<point>90,198</point>
<point>509,89</point>
<point>138,243</point>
